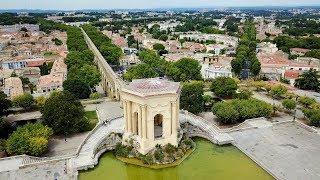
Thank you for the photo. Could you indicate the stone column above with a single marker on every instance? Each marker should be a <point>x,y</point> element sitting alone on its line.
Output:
<point>144,122</point>
<point>129,117</point>
<point>174,118</point>
<point>125,114</point>
<point>140,122</point>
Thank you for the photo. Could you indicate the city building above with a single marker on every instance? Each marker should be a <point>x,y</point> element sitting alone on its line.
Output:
<point>267,48</point>
<point>13,87</point>
<point>274,65</point>
<point>299,51</point>
<point>291,75</point>
<point>55,79</point>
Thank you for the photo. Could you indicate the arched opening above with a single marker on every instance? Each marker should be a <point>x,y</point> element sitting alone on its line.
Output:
<point>158,126</point>
<point>135,128</point>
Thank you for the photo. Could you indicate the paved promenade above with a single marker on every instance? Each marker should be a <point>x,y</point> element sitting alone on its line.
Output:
<point>286,150</point>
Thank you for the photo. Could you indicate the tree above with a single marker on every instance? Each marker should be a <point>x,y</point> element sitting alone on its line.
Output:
<point>31,139</point>
<point>40,101</point>
<point>140,71</point>
<point>255,67</point>
<point>64,114</point>
<point>5,103</point>
<point>111,53</point>
<point>163,37</point>
<point>46,68</point>
<point>131,41</point>
<point>5,128</point>
<point>225,113</point>
<point>88,74</point>
<point>77,87</point>
<point>238,110</point>
<point>207,101</point>
<point>158,47</point>
<point>278,90</point>
<point>185,69</point>
<point>289,104</point>
<point>308,81</point>
<point>24,101</point>
<point>182,41</point>
<point>191,98</point>
<point>79,59</point>
<point>224,87</point>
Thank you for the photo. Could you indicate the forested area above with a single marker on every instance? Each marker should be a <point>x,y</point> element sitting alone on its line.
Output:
<point>301,27</point>
<point>13,18</point>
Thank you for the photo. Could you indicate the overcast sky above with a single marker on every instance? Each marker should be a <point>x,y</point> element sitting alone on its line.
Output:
<point>131,4</point>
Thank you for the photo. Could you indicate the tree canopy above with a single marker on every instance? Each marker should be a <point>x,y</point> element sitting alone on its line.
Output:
<point>64,114</point>
<point>224,87</point>
<point>5,103</point>
<point>78,88</point>
<point>109,51</point>
<point>25,101</point>
<point>185,69</point>
<point>31,139</point>
<point>308,81</point>
<point>236,110</point>
<point>191,98</point>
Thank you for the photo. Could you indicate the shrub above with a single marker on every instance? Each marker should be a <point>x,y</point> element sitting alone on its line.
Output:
<point>40,101</point>
<point>259,85</point>
<point>189,143</point>
<point>313,115</point>
<point>121,150</point>
<point>158,155</point>
<point>278,91</point>
<point>226,113</point>
<point>147,159</point>
<point>289,104</point>
<point>31,139</point>
<point>38,145</point>
<point>95,95</point>
<point>24,101</point>
<point>2,145</point>
<point>224,87</point>
<point>306,101</point>
<point>237,110</point>
<point>169,148</point>
<point>244,94</point>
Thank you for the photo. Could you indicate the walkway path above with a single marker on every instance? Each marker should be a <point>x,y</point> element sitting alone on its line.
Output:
<point>205,129</point>
<point>287,150</point>
<point>86,155</point>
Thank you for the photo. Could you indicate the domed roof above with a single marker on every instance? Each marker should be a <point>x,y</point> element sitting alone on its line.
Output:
<point>152,86</point>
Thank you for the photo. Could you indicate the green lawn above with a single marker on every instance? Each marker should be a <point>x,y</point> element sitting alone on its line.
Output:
<point>92,116</point>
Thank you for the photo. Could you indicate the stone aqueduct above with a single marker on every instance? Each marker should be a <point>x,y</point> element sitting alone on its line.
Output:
<point>110,81</point>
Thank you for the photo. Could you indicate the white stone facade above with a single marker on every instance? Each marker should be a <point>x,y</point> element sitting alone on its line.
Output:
<point>151,110</point>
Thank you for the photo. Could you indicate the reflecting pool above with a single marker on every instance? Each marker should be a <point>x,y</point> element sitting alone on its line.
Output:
<point>208,161</point>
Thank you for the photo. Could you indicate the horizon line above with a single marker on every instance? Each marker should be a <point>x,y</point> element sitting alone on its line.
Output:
<point>173,7</point>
